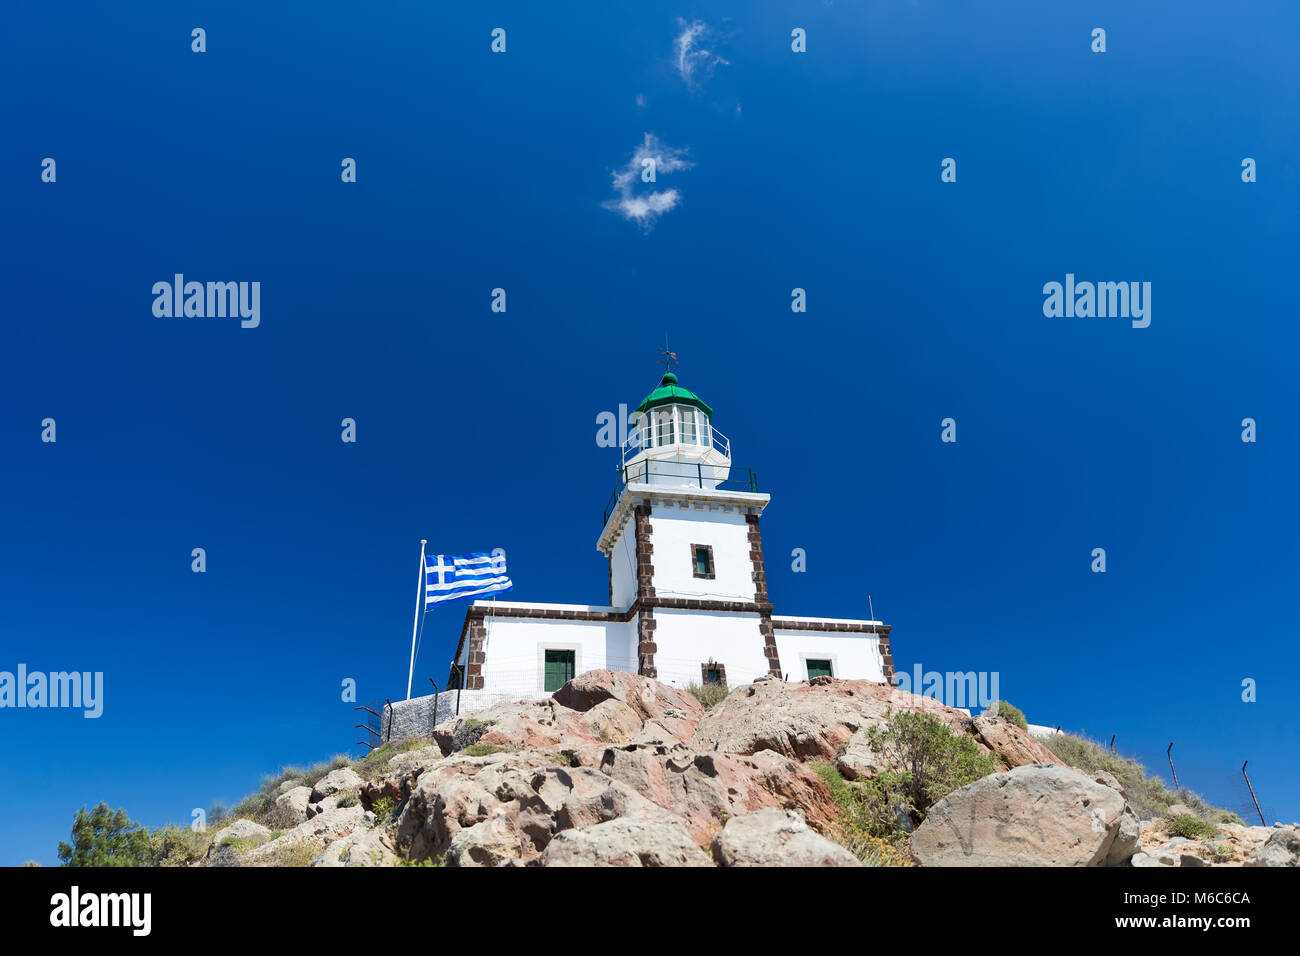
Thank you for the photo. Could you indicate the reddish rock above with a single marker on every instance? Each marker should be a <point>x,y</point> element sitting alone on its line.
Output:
<point>811,720</point>
<point>705,789</point>
<point>672,713</point>
<point>1014,747</point>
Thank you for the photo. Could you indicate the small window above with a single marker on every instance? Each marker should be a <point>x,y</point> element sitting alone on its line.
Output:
<point>713,674</point>
<point>664,423</point>
<point>559,669</point>
<point>688,426</point>
<point>702,560</point>
<point>819,669</point>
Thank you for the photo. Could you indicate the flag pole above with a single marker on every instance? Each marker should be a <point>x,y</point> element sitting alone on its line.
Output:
<point>419,606</point>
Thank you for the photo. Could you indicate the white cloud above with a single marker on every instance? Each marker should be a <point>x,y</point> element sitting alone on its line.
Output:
<point>695,61</point>
<point>640,201</point>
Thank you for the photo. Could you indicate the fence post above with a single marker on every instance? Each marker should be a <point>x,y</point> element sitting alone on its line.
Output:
<point>391,716</point>
<point>1169,752</point>
<point>1252,793</point>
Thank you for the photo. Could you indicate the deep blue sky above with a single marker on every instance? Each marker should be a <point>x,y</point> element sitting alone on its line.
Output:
<point>478,430</point>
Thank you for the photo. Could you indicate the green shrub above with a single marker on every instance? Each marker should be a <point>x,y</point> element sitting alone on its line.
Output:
<point>1186,825</point>
<point>238,844</point>
<point>295,854</point>
<point>177,846</point>
<point>709,695</point>
<point>482,750</point>
<point>1011,713</point>
<point>859,829</point>
<point>383,809</point>
<point>935,762</point>
<point>877,815</point>
<point>376,762</point>
<point>276,817</point>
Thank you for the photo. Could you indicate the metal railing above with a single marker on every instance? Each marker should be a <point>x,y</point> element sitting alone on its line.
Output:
<point>681,474</point>
<point>669,434</point>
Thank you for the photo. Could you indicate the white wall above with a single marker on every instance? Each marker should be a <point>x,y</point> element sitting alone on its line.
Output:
<point>687,639</point>
<point>673,531</point>
<point>853,656</point>
<point>624,558</point>
<point>515,650</point>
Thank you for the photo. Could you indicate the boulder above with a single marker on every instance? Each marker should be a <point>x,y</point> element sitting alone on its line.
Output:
<point>773,837</point>
<point>827,719</point>
<point>624,842</point>
<point>1107,779</point>
<point>288,785</point>
<point>1127,837</point>
<point>359,848</point>
<point>336,780</point>
<point>1035,815</point>
<point>806,721</point>
<point>295,801</point>
<point>1014,747</point>
<point>503,809</point>
<point>242,829</point>
<point>532,725</point>
<point>672,712</point>
<point>704,788</point>
<point>320,831</point>
<point>1282,848</point>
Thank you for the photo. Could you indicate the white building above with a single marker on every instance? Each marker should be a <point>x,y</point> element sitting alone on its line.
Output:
<point>688,598</point>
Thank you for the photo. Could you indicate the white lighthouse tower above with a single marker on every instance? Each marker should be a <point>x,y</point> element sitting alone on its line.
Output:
<point>688,584</point>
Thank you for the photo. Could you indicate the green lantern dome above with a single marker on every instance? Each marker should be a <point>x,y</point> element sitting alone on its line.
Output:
<point>670,393</point>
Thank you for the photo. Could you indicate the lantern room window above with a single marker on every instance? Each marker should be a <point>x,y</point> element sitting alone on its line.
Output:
<point>664,427</point>
<point>688,425</point>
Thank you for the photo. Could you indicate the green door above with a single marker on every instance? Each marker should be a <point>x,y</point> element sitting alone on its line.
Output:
<point>559,669</point>
<point>819,669</point>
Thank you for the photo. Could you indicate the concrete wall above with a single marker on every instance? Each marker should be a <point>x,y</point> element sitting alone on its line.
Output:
<point>672,532</point>
<point>516,649</point>
<point>624,567</point>
<point>853,655</point>
<point>687,639</point>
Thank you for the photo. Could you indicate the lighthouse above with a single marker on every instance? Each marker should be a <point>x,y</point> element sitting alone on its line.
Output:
<point>688,599</point>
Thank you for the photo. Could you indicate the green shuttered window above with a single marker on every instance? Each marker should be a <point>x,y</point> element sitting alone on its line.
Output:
<point>819,669</point>
<point>559,669</point>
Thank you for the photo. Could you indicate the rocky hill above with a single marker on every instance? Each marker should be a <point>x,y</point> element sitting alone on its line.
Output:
<point>617,769</point>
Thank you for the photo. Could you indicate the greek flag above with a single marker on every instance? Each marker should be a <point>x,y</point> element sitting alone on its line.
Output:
<point>451,576</point>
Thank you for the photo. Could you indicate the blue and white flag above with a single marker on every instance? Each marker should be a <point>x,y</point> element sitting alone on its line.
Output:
<point>451,576</point>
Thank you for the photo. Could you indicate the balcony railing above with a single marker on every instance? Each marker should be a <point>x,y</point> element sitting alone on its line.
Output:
<point>668,434</point>
<point>684,474</point>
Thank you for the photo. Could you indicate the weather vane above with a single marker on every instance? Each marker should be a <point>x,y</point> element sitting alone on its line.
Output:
<point>668,357</point>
